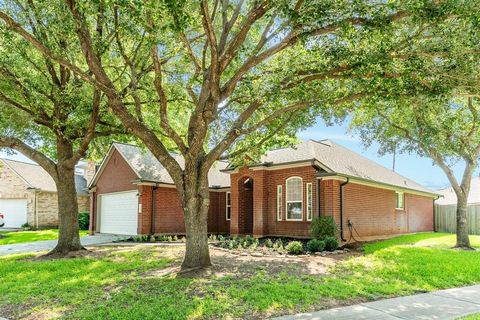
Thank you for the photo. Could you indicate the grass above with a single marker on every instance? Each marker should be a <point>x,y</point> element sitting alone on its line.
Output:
<point>472,317</point>
<point>31,236</point>
<point>118,285</point>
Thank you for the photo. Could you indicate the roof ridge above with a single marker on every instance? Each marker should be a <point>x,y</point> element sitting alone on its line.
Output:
<point>20,161</point>
<point>378,164</point>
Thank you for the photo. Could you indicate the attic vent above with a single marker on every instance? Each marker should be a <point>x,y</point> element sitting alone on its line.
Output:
<point>405,182</point>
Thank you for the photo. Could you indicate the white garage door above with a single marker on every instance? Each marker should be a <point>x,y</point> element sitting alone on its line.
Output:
<point>15,212</point>
<point>119,213</point>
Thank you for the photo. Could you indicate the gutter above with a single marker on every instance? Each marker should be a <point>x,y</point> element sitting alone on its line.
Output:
<point>342,237</point>
<point>313,162</point>
<point>393,186</point>
<point>152,227</point>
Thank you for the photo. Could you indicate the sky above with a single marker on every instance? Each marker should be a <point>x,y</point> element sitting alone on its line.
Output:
<point>417,168</point>
<point>422,170</point>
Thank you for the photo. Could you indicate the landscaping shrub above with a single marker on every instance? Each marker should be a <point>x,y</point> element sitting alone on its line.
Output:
<point>268,243</point>
<point>294,247</point>
<point>83,220</point>
<point>315,245</point>
<point>324,226</point>
<point>331,243</point>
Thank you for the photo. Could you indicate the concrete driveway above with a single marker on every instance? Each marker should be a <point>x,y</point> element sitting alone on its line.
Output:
<point>50,244</point>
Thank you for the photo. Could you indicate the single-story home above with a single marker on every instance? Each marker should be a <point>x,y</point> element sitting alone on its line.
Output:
<point>29,195</point>
<point>132,193</point>
<point>448,196</point>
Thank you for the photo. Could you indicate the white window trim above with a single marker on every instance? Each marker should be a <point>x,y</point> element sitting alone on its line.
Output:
<point>227,206</point>
<point>396,200</point>
<point>279,202</point>
<point>287,201</point>
<point>309,186</point>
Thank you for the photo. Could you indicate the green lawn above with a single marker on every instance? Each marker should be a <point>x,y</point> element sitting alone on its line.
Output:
<point>126,284</point>
<point>30,236</point>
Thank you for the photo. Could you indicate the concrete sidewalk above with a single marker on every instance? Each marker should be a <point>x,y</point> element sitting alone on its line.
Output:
<point>50,244</point>
<point>445,304</point>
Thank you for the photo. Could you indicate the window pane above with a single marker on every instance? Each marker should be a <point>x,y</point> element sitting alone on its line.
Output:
<point>228,213</point>
<point>400,200</point>
<point>294,189</point>
<point>228,198</point>
<point>309,201</point>
<point>279,202</point>
<point>294,210</point>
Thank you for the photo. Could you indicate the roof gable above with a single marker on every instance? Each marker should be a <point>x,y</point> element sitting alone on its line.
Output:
<point>449,196</point>
<point>148,168</point>
<point>36,177</point>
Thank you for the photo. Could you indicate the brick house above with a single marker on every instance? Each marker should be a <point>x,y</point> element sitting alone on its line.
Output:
<point>279,196</point>
<point>132,193</point>
<point>28,194</point>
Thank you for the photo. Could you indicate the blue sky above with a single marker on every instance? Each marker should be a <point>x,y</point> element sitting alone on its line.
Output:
<point>411,166</point>
<point>414,167</point>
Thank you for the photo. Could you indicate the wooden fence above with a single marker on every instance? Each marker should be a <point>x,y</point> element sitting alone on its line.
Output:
<point>446,221</point>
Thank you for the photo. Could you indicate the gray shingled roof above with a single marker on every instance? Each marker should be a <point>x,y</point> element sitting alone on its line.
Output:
<point>449,197</point>
<point>36,177</point>
<point>148,168</point>
<point>338,159</point>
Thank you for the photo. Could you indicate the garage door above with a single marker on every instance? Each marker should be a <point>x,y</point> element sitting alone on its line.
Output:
<point>119,213</point>
<point>15,212</point>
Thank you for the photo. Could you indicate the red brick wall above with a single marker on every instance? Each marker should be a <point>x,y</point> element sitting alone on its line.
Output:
<point>169,212</point>
<point>117,176</point>
<point>420,213</point>
<point>372,212</point>
<point>265,201</point>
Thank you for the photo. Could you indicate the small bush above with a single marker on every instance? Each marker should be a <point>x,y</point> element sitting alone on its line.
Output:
<point>26,226</point>
<point>324,226</point>
<point>294,247</point>
<point>315,245</point>
<point>83,220</point>
<point>268,243</point>
<point>331,243</point>
<point>279,243</point>
<point>175,238</point>
<point>221,238</point>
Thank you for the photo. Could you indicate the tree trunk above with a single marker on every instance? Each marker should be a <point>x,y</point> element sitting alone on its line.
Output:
<point>68,228</point>
<point>462,227</point>
<point>197,200</point>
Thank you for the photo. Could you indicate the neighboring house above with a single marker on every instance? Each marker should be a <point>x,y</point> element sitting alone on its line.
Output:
<point>448,196</point>
<point>279,196</point>
<point>28,194</point>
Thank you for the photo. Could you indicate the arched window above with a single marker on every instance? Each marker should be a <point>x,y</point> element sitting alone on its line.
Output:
<point>294,199</point>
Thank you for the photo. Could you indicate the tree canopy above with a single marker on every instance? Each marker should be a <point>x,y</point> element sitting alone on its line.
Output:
<point>216,79</point>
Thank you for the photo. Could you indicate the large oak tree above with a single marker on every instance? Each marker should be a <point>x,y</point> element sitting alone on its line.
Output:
<point>442,121</point>
<point>48,113</point>
<point>242,72</point>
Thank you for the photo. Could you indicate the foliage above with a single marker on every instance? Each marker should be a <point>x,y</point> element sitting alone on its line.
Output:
<point>30,236</point>
<point>401,266</point>
<point>294,247</point>
<point>244,76</point>
<point>84,220</point>
<point>331,243</point>
<point>315,245</point>
<point>268,243</point>
<point>324,226</point>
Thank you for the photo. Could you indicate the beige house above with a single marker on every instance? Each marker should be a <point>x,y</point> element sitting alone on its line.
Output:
<point>28,194</point>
